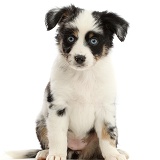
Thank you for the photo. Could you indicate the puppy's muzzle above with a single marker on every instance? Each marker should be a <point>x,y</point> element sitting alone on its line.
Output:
<point>80,59</point>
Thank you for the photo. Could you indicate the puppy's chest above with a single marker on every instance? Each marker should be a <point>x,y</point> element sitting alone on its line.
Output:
<point>83,106</point>
<point>85,90</point>
<point>83,93</point>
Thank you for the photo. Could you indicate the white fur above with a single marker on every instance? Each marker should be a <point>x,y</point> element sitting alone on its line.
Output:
<point>85,22</point>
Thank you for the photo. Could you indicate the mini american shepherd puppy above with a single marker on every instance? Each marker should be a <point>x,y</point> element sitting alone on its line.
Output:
<point>78,117</point>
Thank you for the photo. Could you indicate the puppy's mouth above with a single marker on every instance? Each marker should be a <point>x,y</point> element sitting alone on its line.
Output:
<point>80,67</point>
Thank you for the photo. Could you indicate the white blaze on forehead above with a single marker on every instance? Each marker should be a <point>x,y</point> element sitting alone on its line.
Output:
<point>85,22</point>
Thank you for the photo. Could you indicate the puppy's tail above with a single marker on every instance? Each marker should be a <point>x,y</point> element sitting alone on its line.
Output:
<point>23,154</point>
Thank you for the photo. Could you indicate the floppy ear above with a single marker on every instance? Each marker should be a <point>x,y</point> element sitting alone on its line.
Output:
<point>59,15</point>
<point>115,24</point>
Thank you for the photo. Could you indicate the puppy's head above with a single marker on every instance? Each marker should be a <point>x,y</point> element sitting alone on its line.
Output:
<point>83,36</point>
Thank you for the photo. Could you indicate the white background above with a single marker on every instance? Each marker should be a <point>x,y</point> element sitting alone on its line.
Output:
<point>27,52</point>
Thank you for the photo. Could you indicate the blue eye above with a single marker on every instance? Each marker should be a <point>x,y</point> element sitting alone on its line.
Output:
<point>71,39</point>
<point>93,41</point>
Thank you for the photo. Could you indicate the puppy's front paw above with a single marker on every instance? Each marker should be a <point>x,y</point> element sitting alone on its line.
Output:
<point>124,153</point>
<point>52,157</point>
<point>113,154</point>
<point>116,157</point>
<point>41,155</point>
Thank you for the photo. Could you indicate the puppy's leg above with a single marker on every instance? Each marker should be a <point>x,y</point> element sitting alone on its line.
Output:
<point>41,130</point>
<point>41,155</point>
<point>57,126</point>
<point>124,153</point>
<point>107,133</point>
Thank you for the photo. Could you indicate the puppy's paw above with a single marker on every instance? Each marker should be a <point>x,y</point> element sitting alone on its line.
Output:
<point>124,153</point>
<point>42,155</point>
<point>116,157</point>
<point>52,157</point>
<point>113,154</point>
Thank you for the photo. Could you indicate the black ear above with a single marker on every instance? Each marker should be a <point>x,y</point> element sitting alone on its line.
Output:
<point>115,24</point>
<point>59,15</point>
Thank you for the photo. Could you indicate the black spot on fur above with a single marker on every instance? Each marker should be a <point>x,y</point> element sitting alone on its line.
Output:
<point>69,130</point>
<point>91,131</point>
<point>75,155</point>
<point>112,131</point>
<point>50,106</point>
<point>50,97</point>
<point>72,154</point>
<point>61,112</point>
<point>49,94</point>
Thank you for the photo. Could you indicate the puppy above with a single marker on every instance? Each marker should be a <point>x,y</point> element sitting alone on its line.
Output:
<point>78,117</point>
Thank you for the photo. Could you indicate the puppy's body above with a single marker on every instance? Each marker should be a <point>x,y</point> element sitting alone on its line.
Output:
<point>83,96</point>
<point>78,118</point>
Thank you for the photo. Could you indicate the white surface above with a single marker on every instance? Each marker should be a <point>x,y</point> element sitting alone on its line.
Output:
<point>26,55</point>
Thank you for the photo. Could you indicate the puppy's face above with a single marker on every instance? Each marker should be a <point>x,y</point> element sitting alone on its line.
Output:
<point>81,41</point>
<point>83,36</point>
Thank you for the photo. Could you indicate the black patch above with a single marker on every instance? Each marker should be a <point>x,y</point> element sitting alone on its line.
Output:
<point>111,24</point>
<point>107,33</point>
<point>92,131</point>
<point>115,24</point>
<point>65,34</point>
<point>49,94</point>
<point>72,154</point>
<point>112,131</point>
<point>61,112</point>
<point>75,155</point>
<point>50,106</point>
<point>69,130</point>
<point>61,16</point>
<point>49,98</point>
<point>98,48</point>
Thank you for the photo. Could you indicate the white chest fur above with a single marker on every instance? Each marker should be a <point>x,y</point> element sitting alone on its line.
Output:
<point>83,92</point>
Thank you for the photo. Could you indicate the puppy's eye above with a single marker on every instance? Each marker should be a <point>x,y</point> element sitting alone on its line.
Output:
<point>71,39</point>
<point>93,41</point>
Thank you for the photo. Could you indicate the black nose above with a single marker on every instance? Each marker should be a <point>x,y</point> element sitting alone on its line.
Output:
<point>79,59</point>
